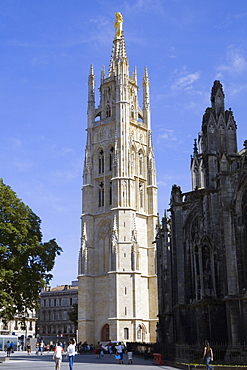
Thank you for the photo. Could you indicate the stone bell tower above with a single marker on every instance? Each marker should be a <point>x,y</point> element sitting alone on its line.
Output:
<point>117,272</point>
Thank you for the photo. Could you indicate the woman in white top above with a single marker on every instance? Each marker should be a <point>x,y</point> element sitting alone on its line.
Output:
<point>57,356</point>
<point>119,352</point>
<point>71,353</point>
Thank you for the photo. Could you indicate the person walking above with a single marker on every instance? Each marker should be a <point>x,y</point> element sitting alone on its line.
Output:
<point>119,353</point>
<point>8,349</point>
<point>129,353</point>
<point>28,348</point>
<point>41,346</point>
<point>208,355</point>
<point>71,353</point>
<point>98,349</point>
<point>57,355</point>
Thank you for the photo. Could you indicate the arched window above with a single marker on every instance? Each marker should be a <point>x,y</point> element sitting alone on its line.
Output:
<point>140,163</point>
<point>101,161</point>
<point>105,333</point>
<point>110,193</point>
<point>126,333</point>
<point>141,194</point>
<point>108,111</point>
<point>111,158</point>
<point>101,194</point>
<point>132,112</point>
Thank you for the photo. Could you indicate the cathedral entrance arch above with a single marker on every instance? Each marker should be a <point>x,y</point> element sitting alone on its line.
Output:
<point>105,333</point>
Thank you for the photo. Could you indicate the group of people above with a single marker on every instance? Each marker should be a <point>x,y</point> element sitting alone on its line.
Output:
<point>10,348</point>
<point>119,349</point>
<point>70,354</point>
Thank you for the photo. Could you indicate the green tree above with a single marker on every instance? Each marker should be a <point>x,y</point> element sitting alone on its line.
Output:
<point>25,262</point>
<point>73,314</point>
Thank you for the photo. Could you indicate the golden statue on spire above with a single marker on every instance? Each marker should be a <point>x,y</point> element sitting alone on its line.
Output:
<point>118,24</point>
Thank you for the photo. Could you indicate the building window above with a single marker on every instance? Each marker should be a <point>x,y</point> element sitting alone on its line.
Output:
<point>16,325</point>
<point>60,302</point>
<point>126,333</point>
<point>55,302</point>
<point>65,315</point>
<point>30,325</point>
<point>132,112</point>
<point>101,161</point>
<point>140,163</point>
<point>44,302</point>
<point>108,111</point>
<point>54,316</point>
<point>110,193</point>
<point>141,194</point>
<point>101,194</point>
<point>70,301</point>
<point>111,158</point>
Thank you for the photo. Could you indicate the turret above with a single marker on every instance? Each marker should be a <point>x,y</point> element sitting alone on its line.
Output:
<point>217,98</point>
<point>194,168</point>
<point>146,99</point>
<point>91,97</point>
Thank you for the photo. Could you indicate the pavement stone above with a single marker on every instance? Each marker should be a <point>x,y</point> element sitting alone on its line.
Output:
<point>23,361</point>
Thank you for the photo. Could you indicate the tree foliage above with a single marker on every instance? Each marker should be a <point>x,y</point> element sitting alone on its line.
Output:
<point>73,314</point>
<point>25,262</point>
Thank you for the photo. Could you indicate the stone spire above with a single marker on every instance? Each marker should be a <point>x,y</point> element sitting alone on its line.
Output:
<point>217,98</point>
<point>119,49</point>
<point>91,96</point>
<point>146,98</point>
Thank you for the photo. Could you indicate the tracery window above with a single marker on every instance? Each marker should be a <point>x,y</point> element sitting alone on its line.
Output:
<point>141,194</point>
<point>101,161</point>
<point>140,163</point>
<point>108,111</point>
<point>111,158</point>
<point>110,193</point>
<point>101,194</point>
<point>132,112</point>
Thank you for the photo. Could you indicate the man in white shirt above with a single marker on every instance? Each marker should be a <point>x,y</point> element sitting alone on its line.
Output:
<point>71,353</point>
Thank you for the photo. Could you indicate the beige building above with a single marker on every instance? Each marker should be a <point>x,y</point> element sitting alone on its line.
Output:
<point>117,296</point>
<point>15,327</point>
<point>55,303</point>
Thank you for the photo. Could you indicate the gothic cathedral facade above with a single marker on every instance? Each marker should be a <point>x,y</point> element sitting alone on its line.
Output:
<point>201,247</point>
<point>117,293</point>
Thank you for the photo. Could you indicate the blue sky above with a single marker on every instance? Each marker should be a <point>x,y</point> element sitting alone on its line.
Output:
<point>46,48</point>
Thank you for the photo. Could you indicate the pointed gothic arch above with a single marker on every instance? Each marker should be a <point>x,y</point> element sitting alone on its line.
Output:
<point>111,158</point>
<point>105,333</point>
<point>101,161</point>
<point>103,246</point>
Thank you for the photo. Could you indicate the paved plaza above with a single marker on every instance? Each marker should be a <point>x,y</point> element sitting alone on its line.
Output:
<point>21,361</point>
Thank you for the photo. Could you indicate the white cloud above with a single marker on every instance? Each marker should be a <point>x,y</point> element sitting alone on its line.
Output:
<point>186,82</point>
<point>167,135</point>
<point>235,62</point>
<point>145,5</point>
<point>23,165</point>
